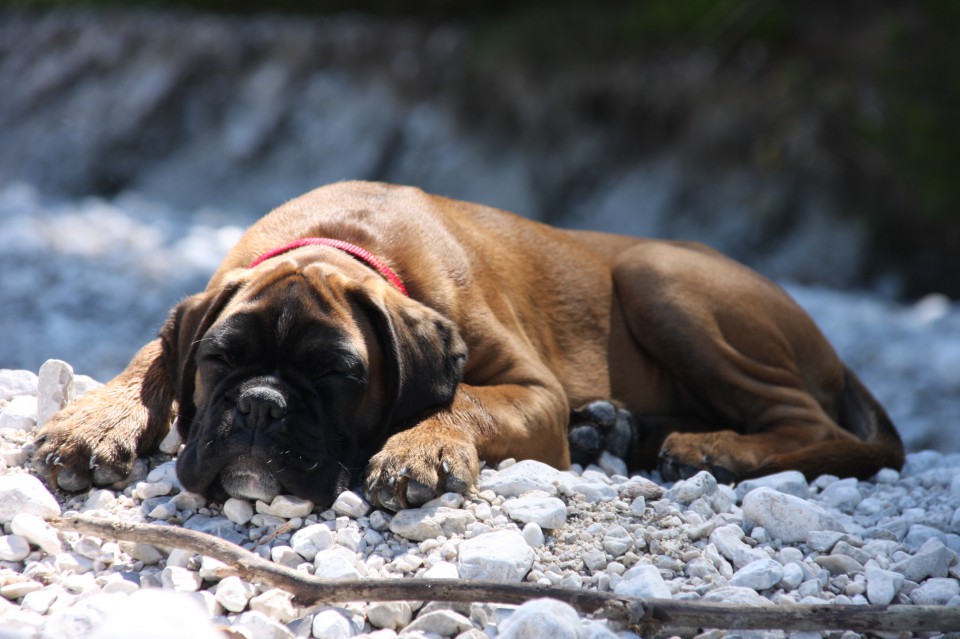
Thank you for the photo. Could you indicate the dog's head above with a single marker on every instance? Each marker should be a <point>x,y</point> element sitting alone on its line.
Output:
<point>289,377</point>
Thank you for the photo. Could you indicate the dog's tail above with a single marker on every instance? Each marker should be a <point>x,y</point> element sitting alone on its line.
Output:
<point>862,415</point>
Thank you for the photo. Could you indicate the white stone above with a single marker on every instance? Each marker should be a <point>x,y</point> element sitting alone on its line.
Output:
<point>170,444</point>
<point>239,511</point>
<point>541,619</point>
<point>180,557</point>
<point>19,414</point>
<point>736,595</point>
<point>276,604</point>
<point>791,482</point>
<point>388,614</point>
<point>643,580</point>
<point>447,500</point>
<point>785,517</point>
<point>180,579</point>
<point>146,553</point>
<point>167,472</point>
<point>419,524</point>
<point>17,382</point>
<point>617,541</point>
<point>15,589</point>
<point>13,548</point>
<point>611,464</point>
<point>759,575</point>
<point>286,507</point>
<point>310,540</point>
<point>54,389</point>
<point>336,563</point>
<point>687,490</point>
<point>520,478</point>
<point>39,601</point>
<point>882,585</point>
<point>99,499</point>
<point>350,504</point>
<point>12,455</point>
<point>442,570</point>
<point>146,490</point>
<point>233,593</point>
<point>931,560</point>
<point>533,535</point>
<point>935,592</point>
<point>285,556</point>
<point>839,564</point>
<point>547,512</point>
<point>261,626</point>
<point>22,493</point>
<point>214,570</point>
<point>186,500</point>
<point>502,556</point>
<point>168,614</point>
<point>37,532</point>
<point>792,576</point>
<point>728,540</point>
<point>594,559</point>
<point>594,492</point>
<point>842,494</point>
<point>330,624</point>
<point>115,582</point>
<point>445,623</point>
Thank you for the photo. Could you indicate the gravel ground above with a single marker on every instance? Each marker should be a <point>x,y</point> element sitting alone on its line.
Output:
<point>773,541</point>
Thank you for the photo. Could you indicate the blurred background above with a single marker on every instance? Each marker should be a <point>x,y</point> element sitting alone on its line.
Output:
<point>819,141</point>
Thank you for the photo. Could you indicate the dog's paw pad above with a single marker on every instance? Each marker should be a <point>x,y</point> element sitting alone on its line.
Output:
<point>600,426</point>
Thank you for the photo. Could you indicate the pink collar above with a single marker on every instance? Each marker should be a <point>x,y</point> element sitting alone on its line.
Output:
<point>361,254</point>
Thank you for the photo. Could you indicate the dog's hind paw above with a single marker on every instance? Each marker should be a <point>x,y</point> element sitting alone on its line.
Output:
<point>600,426</point>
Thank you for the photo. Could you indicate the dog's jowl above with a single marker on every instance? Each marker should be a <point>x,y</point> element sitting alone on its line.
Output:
<point>375,333</point>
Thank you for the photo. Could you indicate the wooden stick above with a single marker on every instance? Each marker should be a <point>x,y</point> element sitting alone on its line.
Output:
<point>650,615</point>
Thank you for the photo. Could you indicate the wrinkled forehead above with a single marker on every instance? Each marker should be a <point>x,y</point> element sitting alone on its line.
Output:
<point>287,306</point>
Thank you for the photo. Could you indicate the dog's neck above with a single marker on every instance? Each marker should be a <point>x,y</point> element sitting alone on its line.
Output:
<point>353,250</point>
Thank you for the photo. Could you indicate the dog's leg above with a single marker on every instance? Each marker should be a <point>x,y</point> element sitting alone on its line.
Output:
<point>443,452</point>
<point>97,438</point>
<point>751,362</point>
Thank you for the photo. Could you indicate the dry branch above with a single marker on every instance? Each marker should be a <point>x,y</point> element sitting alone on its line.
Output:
<point>652,615</point>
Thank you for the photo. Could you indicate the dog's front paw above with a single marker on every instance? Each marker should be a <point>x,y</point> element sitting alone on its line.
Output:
<point>600,426</point>
<point>88,442</point>
<point>414,467</point>
<point>683,455</point>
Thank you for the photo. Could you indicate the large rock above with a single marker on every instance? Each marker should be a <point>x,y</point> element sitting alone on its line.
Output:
<point>783,516</point>
<point>547,512</point>
<point>22,493</point>
<point>643,580</point>
<point>169,614</point>
<point>54,389</point>
<point>501,556</point>
<point>541,619</point>
<point>419,524</point>
<point>521,478</point>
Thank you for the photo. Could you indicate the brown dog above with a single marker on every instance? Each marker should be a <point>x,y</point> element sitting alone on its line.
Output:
<point>459,333</point>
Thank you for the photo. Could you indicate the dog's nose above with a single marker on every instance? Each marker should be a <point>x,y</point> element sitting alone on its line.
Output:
<point>261,404</point>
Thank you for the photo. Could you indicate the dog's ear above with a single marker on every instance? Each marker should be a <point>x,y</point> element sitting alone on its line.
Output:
<point>185,327</point>
<point>424,353</point>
